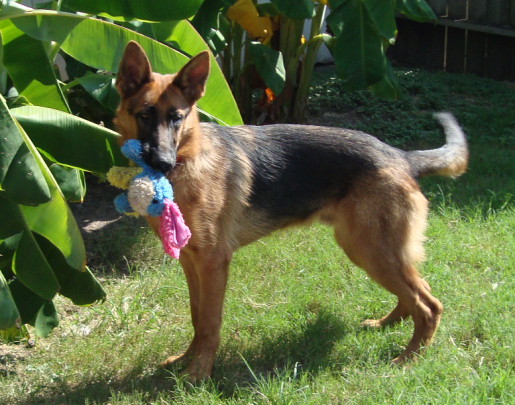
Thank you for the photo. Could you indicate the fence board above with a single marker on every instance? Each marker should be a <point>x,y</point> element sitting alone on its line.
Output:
<point>399,51</point>
<point>455,50</point>
<point>501,63</point>
<point>478,11</point>
<point>499,12</point>
<point>476,53</point>
<point>458,9</point>
<point>414,44</point>
<point>435,47</point>
<point>419,45</point>
<point>482,44</point>
<point>438,6</point>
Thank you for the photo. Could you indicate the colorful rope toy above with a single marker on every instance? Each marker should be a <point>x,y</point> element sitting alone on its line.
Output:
<point>149,193</point>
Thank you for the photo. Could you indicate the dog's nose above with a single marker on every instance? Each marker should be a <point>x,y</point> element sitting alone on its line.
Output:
<point>160,160</point>
<point>165,166</point>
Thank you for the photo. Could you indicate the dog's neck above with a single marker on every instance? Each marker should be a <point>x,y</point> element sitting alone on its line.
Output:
<point>189,144</point>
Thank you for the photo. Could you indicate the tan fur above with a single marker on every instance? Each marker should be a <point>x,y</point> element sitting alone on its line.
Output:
<point>456,169</point>
<point>379,223</point>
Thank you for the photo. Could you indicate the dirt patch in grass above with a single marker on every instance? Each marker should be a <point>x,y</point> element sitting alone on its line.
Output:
<point>11,356</point>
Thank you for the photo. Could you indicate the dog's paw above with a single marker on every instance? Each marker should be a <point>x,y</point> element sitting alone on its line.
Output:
<point>194,375</point>
<point>372,324</point>
<point>173,362</point>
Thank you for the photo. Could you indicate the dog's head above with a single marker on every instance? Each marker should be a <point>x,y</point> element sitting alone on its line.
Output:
<point>158,109</point>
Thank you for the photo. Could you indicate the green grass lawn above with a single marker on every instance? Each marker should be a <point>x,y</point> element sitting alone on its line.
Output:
<point>291,330</point>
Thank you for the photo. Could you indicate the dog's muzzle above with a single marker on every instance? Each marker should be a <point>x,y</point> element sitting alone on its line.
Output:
<point>163,162</point>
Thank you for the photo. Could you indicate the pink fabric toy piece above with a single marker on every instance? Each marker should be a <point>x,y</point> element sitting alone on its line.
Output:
<point>174,232</point>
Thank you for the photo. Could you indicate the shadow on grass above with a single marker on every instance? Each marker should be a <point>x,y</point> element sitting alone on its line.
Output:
<point>112,249</point>
<point>308,348</point>
<point>140,388</point>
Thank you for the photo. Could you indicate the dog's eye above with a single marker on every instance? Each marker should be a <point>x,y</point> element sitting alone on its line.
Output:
<point>175,118</point>
<point>145,115</point>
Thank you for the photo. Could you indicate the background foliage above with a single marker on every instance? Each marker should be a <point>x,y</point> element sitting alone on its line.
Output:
<point>262,48</point>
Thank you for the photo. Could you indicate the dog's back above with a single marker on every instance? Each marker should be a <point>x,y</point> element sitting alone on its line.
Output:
<point>292,172</point>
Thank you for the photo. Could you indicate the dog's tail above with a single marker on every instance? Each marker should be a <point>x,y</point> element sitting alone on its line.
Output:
<point>450,160</point>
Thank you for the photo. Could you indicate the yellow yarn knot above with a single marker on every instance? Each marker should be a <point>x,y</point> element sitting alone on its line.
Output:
<point>120,177</point>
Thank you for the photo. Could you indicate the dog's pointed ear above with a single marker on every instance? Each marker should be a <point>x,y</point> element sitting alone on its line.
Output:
<point>134,70</point>
<point>191,79</point>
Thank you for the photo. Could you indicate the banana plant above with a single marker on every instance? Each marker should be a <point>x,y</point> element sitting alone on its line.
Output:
<point>45,148</point>
<point>267,38</point>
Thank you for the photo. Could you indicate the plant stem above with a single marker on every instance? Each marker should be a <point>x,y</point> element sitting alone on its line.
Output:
<point>237,41</point>
<point>291,34</point>
<point>226,57</point>
<point>69,85</point>
<point>313,45</point>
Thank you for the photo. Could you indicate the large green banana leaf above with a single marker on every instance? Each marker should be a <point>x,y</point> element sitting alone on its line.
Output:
<point>358,50</point>
<point>100,44</point>
<point>361,28</point>
<point>70,140</point>
<point>72,182</point>
<point>21,177</point>
<point>40,245</point>
<point>9,313</point>
<point>21,54</point>
<point>41,250</point>
<point>102,88</point>
<point>33,309</point>
<point>124,10</point>
<point>51,218</point>
<point>269,64</point>
<point>382,13</point>
<point>416,10</point>
<point>295,9</point>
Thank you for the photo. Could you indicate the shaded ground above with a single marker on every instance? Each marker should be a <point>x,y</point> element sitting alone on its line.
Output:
<point>10,355</point>
<point>97,210</point>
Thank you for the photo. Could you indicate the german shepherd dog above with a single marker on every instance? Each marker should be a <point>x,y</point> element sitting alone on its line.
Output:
<point>237,184</point>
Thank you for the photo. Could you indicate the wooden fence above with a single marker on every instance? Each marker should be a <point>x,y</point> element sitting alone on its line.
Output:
<point>470,36</point>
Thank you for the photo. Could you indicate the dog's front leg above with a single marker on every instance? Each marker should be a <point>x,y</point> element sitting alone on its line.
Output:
<point>206,271</point>
<point>187,260</point>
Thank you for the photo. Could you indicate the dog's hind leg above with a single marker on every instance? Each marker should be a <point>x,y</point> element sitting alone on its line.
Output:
<point>413,297</point>
<point>398,314</point>
<point>380,226</point>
